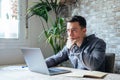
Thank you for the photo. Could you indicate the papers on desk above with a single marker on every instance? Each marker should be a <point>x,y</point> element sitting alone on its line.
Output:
<point>9,68</point>
<point>84,73</point>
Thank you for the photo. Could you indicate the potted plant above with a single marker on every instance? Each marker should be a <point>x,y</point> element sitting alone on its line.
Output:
<point>55,34</point>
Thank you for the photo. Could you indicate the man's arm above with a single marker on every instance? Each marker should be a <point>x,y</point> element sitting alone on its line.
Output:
<point>58,58</point>
<point>96,56</point>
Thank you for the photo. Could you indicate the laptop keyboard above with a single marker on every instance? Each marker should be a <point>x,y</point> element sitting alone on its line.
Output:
<point>55,70</point>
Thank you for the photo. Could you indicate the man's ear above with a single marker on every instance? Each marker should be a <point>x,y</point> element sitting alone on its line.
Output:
<point>84,30</point>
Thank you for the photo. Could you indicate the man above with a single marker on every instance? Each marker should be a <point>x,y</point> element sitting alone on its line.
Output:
<point>84,52</point>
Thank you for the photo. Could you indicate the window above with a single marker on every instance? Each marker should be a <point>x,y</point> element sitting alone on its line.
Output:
<point>9,19</point>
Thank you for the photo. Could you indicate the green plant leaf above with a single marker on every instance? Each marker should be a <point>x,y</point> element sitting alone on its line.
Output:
<point>56,33</point>
<point>40,9</point>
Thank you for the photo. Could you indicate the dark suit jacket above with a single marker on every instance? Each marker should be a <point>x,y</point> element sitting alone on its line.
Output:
<point>89,56</point>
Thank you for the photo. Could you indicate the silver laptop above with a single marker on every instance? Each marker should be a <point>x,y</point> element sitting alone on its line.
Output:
<point>36,62</point>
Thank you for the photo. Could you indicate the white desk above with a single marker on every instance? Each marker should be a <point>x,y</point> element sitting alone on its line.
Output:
<point>13,73</point>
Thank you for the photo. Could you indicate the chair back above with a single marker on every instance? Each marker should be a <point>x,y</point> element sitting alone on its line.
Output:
<point>109,62</point>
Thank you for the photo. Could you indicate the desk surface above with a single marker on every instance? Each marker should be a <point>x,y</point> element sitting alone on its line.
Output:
<point>18,73</point>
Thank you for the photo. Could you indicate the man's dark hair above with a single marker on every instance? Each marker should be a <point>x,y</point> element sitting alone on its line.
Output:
<point>79,19</point>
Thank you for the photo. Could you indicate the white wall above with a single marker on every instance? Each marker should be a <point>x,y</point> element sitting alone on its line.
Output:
<point>10,49</point>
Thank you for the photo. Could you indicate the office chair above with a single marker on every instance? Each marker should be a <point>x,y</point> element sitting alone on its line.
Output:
<point>109,62</point>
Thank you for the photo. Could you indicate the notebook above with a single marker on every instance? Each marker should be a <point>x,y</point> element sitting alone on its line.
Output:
<point>36,62</point>
<point>86,73</point>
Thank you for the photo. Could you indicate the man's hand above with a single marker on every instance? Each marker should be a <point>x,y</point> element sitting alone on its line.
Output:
<point>70,43</point>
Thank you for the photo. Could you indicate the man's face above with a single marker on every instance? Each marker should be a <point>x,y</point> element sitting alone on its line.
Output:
<point>75,31</point>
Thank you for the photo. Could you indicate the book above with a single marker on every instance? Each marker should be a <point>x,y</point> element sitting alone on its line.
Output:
<point>85,73</point>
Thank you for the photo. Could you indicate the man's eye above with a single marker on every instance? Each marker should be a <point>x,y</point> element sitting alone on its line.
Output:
<point>73,30</point>
<point>67,30</point>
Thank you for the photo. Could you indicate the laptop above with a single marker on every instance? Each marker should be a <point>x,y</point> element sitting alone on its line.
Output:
<point>36,62</point>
